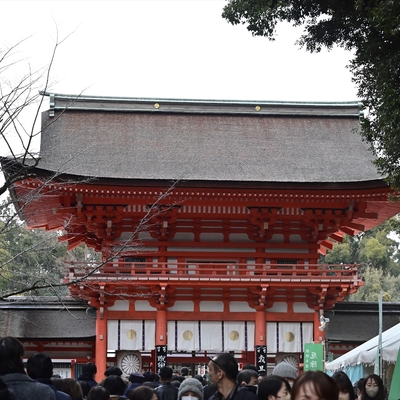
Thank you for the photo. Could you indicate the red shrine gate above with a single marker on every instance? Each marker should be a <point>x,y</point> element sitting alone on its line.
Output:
<point>221,256</point>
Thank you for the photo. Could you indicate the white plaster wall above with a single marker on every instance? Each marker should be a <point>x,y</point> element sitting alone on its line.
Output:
<point>144,305</point>
<point>216,306</point>
<point>119,305</point>
<point>182,306</point>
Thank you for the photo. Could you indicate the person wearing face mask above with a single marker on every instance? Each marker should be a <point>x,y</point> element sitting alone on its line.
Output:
<point>190,389</point>
<point>273,387</point>
<point>373,388</point>
<point>248,378</point>
<point>346,390</point>
<point>223,371</point>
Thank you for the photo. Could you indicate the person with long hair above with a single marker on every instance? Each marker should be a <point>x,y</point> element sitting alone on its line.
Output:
<point>359,387</point>
<point>74,389</point>
<point>314,385</point>
<point>346,389</point>
<point>373,388</point>
<point>273,387</point>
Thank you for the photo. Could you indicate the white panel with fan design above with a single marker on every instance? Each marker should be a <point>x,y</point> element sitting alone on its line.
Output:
<point>292,359</point>
<point>129,361</point>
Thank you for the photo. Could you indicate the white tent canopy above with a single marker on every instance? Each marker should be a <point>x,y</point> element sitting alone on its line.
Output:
<point>366,353</point>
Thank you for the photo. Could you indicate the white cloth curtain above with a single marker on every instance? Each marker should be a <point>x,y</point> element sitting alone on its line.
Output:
<point>288,337</point>
<point>234,336</point>
<point>171,335</point>
<point>112,335</point>
<point>184,336</point>
<point>188,336</point>
<point>238,336</point>
<point>149,335</point>
<point>272,343</point>
<point>211,335</point>
<point>308,333</point>
<point>129,335</point>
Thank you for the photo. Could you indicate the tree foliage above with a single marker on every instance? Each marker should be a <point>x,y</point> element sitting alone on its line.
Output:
<point>371,29</point>
<point>32,262</point>
<point>375,281</point>
<point>377,252</point>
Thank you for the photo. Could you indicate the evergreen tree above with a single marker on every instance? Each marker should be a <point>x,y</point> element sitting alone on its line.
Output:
<point>370,28</point>
<point>377,253</point>
<point>32,261</point>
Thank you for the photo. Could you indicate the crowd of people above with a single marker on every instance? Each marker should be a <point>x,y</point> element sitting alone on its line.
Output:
<point>224,382</point>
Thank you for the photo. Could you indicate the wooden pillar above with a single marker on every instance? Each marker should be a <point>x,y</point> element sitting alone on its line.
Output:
<point>260,329</point>
<point>161,327</point>
<point>72,370</point>
<point>101,344</point>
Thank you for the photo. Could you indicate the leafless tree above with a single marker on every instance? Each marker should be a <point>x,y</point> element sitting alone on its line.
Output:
<point>19,94</point>
<point>19,135</point>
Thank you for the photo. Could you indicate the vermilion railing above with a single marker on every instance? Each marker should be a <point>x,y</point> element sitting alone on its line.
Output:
<point>254,271</point>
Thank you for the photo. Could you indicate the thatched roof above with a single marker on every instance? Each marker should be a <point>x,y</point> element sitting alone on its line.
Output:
<point>156,139</point>
<point>44,317</point>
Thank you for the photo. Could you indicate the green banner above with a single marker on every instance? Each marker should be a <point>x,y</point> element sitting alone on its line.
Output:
<point>394,393</point>
<point>313,357</point>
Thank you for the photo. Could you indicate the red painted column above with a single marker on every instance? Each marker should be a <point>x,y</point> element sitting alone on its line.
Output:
<point>260,329</point>
<point>101,344</point>
<point>161,327</point>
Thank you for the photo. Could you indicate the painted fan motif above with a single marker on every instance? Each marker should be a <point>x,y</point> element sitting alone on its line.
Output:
<point>292,360</point>
<point>130,363</point>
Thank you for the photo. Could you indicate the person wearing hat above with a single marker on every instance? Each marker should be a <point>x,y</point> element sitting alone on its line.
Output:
<point>151,379</point>
<point>287,371</point>
<point>190,389</point>
<point>114,371</point>
<point>135,380</point>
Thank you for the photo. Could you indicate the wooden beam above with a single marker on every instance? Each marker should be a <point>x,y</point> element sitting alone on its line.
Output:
<point>348,231</point>
<point>327,244</point>
<point>337,237</point>
<point>357,227</point>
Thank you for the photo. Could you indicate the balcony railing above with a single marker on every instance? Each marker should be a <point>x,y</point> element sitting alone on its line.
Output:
<point>212,271</point>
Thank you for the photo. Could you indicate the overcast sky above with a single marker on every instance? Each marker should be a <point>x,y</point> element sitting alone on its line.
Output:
<point>169,49</point>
